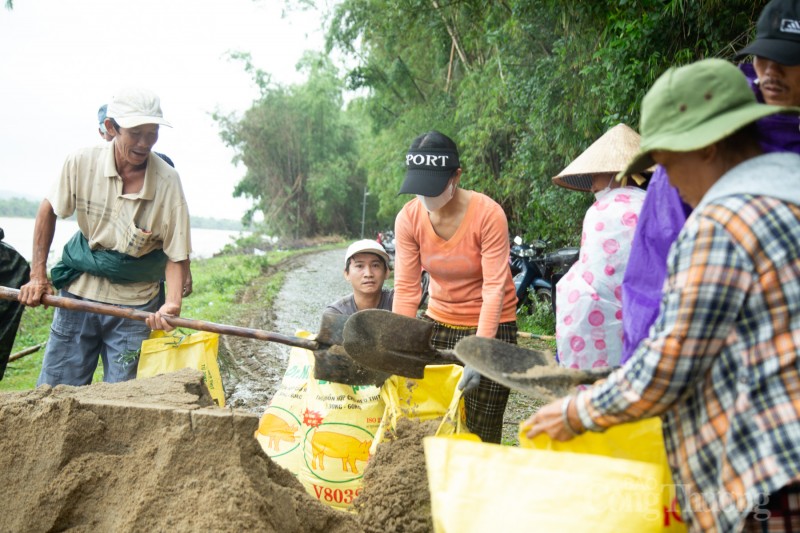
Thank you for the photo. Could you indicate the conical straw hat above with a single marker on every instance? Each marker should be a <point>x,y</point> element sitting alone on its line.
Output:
<point>610,154</point>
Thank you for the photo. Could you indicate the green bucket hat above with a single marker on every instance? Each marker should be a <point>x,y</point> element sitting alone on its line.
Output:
<point>693,106</point>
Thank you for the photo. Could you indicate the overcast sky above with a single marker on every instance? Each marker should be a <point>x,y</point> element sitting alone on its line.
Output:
<point>61,59</point>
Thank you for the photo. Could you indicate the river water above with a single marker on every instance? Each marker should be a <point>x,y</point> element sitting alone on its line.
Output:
<point>19,234</point>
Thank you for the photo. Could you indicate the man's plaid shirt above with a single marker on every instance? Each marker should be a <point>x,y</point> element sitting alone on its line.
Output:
<point>721,363</point>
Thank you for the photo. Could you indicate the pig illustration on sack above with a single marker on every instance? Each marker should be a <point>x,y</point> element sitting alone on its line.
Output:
<point>338,446</point>
<point>277,429</point>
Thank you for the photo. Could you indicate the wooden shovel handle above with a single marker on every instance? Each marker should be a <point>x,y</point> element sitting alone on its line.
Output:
<point>27,351</point>
<point>526,335</point>
<point>73,304</point>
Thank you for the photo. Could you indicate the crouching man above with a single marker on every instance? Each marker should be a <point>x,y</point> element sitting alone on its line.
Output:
<point>366,267</point>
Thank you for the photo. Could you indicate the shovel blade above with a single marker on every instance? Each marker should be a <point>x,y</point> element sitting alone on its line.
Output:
<point>334,365</point>
<point>331,361</point>
<point>392,343</point>
<point>529,371</point>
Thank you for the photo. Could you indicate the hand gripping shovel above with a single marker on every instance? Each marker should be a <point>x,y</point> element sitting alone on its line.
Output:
<point>331,363</point>
<point>531,372</point>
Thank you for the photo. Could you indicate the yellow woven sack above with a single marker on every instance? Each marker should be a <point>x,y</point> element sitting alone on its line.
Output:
<point>163,353</point>
<point>321,431</point>
<point>339,425</point>
<point>638,441</point>
<point>478,487</point>
<point>279,429</point>
<point>433,396</point>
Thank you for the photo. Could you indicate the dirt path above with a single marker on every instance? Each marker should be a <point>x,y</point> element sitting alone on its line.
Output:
<point>312,282</point>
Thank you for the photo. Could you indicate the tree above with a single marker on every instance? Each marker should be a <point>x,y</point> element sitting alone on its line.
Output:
<point>523,86</point>
<point>300,152</point>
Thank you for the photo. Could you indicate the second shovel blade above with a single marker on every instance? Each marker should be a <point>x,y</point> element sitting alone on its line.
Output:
<point>529,371</point>
<point>333,363</point>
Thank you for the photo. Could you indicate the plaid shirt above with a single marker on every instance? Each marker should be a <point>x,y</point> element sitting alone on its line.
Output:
<point>721,363</point>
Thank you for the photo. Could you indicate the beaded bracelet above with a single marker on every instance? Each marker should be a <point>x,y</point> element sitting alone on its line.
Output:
<point>565,418</point>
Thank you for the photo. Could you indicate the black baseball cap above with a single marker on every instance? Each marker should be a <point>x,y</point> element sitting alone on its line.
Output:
<point>777,33</point>
<point>430,163</point>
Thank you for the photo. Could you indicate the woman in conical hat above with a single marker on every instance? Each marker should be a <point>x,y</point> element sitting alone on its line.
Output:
<point>588,304</point>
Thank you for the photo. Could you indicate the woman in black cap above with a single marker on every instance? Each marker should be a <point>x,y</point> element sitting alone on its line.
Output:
<point>461,238</point>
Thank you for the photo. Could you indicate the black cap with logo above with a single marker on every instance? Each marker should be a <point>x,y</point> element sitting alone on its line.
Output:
<point>431,161</point>
<point>777,33</point>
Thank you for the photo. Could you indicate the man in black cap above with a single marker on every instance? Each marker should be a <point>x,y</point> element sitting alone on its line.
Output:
<point>774,77</point>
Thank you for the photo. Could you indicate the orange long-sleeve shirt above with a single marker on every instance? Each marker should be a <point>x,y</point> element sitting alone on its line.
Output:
<point>471,282</point>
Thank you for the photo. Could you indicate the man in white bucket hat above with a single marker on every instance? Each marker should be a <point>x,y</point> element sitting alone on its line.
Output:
<point>721,365</point>
<point>134,231</point>
<point>366,268</point>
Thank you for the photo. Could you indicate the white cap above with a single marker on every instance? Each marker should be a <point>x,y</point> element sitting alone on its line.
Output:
<point>367,246</point>
<point>133,107</point>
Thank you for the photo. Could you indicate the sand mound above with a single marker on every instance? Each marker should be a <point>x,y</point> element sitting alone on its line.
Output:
<point>395,495</point>
<point>146,455</point>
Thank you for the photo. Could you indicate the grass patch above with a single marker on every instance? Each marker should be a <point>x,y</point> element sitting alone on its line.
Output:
<point>218,284</point>
<point>34,328</point>
<point>541,321</point>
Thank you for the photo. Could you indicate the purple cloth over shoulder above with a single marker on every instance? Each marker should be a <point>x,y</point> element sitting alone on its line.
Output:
<point>661,219</point>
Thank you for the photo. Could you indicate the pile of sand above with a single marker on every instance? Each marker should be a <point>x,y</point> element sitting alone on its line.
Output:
<point>395,496</point>
<point>146,455</point>
<point>157,455</point>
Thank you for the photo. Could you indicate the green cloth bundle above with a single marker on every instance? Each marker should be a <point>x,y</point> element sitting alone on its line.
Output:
<point>78,258</point>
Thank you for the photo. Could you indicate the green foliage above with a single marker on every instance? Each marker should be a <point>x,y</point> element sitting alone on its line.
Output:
<point>300,153</point>
<point>522,86</point>
<point>539,321</point>
<point>217,284</point>
<point>18,207</point>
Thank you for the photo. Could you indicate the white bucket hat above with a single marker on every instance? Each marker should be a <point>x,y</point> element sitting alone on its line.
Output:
<point>366,246</point>
<point>134,106</point>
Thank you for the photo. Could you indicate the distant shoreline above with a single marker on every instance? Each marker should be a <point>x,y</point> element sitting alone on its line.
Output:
<point>20,207</point>
<point>19,234</point>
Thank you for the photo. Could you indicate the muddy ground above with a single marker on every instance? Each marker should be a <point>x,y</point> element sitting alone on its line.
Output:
<point>312,281</point>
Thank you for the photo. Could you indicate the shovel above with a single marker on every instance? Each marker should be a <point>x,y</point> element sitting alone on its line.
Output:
<point>393,343</point>
<point>531,372</point>
<point>331,361</point>
<point>401,345</point>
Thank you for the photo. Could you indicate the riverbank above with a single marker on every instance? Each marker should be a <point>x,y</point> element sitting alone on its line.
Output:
<point>19,234</point>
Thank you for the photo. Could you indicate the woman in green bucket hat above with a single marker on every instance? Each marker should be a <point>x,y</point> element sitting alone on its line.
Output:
<point>720,366</point>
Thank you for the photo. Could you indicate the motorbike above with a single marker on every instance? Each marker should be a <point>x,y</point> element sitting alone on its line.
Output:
<point>536,273</point>
<point>386,239</point>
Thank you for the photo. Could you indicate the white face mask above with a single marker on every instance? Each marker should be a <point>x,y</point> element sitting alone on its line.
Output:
<point>602,192</point>
<point>599,194</point>
<point>432,203</point>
